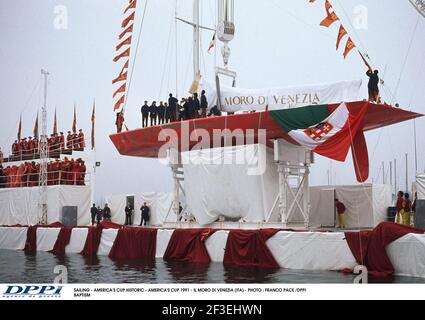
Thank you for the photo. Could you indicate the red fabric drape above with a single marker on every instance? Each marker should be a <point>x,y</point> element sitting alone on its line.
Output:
<point>188,245</point>
<point>93,237</point>
<point>31,243</point>
<point>62,241</point>
<point>92,241</point>
<point>248,248</point>
<point>134,243</point>
<point>368,247</point>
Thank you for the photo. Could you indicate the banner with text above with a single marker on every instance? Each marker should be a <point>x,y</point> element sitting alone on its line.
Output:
<point>239,99</point>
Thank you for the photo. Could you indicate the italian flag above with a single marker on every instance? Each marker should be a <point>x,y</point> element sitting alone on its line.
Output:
<point>330,132</point>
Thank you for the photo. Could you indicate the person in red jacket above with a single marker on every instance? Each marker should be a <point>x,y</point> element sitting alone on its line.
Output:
<point>81,142</point>
<point>340,210</point>
<point>407,206</point>
<point>399,207</point>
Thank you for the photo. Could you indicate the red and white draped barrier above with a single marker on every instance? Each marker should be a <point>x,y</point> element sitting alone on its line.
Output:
<point>405,247</point>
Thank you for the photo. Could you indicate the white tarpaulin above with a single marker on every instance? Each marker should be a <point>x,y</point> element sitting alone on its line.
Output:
<point>311,250</point>
<point>420,186</point>
<point>13,238</point>
<point>239,99</point>
<point>234,182</point>
<point>21,205</point>
<point>366,205</point>
<point>158,202</point>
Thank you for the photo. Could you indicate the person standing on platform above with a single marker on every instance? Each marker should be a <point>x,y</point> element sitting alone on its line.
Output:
<point>167,113</point>
<point>145,214</point>
<point>406,207</point>
<point>3,178</point>
<point>373,85</point>
<point>196,106</point>
<point>161,113</point>
<point>93,213</point>
<point>1,157</point>
<point>119,121</point>
<point>81,140</point>
<point>128,215</point>
<point>172,104</point>
<point>204,104</point>
<point>153,113</point>
<point>145,114</point>
<point>69,140</point>
<point>62,141</point>
<point>106,213</point>
<point>99,215</point>
<point>414,208</point>
<point>340,209</point>
<point>399,207</point>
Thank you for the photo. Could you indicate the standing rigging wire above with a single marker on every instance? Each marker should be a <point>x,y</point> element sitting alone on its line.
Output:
<point>135,58</point>
<point>166,57</point>
<point>407,55</point>
<point>177,51</point>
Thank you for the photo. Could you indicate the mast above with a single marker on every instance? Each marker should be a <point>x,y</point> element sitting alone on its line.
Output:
<point>43,155</point>
<point>196,40</point>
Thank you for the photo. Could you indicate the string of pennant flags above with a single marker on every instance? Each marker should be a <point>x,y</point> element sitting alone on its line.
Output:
<point>123,52</point>
<point>331,18</point>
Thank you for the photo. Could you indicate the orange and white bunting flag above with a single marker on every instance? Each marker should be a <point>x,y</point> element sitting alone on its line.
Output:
<point>128,30</point>
<point>119,90</point>
<point>121,77</point>
<point>331,17</point>
<point>119,103</point>
<point>132,5</point>
<point>125,53</point>
<point>341,33</point>
<point>348,47</point>
<point>127,20</point>
<point>126,42</point>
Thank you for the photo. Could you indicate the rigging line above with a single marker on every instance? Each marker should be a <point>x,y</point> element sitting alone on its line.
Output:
<point>407,55</point>
<point>188,65</point>
<point>166,58</point>
<point>135,57</point>
<point>176,46</point>
<point>314,27</point>
<point>352,26</point>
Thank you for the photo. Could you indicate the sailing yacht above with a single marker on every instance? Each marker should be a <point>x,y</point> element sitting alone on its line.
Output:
<point>326,119</point>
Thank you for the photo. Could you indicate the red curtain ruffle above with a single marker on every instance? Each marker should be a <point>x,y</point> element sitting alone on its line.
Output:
<point>62,241</point>
<point>248,248</point>
<point>31,243</point>
<point>368,247</point>
<point>134,243</point>
<point>188,245</point>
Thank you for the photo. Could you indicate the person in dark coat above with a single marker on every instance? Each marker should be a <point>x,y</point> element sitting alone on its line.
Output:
<point>99,215</point>
<point>128,215</point>
<point>161,113</point>
<point>204,104</point>
<point>106,213</point>
<point>153,112</point>
<point>196,105</point>
<point>373,85</point>
<point>214,111</point>
<point>145,114</point>
<point>93,213</point>
<point>340,209</point>
<point>172,105</point>
<point>145,214</point>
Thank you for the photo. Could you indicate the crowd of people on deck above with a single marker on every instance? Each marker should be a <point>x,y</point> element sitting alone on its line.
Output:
<point>59,172</point>
<point>56,143</point>
<point>98,214</point>
<point>405,209</point>
<point>192,107</point>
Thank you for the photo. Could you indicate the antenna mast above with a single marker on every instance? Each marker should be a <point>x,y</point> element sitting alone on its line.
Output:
<point>43,155</point>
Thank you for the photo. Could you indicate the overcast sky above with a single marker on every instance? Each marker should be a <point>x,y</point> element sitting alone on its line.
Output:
<point>277,43</point>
